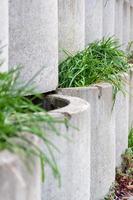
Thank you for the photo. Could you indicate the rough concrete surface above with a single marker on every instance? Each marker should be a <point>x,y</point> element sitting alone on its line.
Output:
<point>71,26</point>
<point>102,136</point>
<point>33,40</point>
<point>126,24</point>
<point>74,157</point>
<point>12,183</point>
<point>4,34</point>
<point>119,20</point>
<point>93,20</point>
<point>109,18</point>
<point>131,100</point>
<point>17,181</point>
<point>122,120</point>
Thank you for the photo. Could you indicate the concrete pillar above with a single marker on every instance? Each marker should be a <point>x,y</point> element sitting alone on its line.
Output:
<point>93,20</point>
<point>102,136</point>
<point>119,20</point>
<point>131,100</point>
<point>4,34</point>
<point>33,39</point>
<point>74,157</point>
<point>109,17</point>
<point>126,24</point>
<point>131,23</point>
<point>71,26</point>
<point>80,22</point>
<point>122,120</point>
<point>12,183</point>
<point>32,175</point>
<point>20,178</point>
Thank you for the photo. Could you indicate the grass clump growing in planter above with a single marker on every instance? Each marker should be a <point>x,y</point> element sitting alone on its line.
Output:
<point>20,120</point>
<point>130,138</point>
<point>101,61</point>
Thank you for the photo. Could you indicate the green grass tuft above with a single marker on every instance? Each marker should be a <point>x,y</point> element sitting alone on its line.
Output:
<point>130,138</point>
<point>101,61</point>
<point>18,115</point>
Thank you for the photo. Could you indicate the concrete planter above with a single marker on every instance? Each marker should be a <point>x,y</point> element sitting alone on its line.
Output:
<point>74,158</point>
<point>17,181</point>
<point>102,135</point>
<point>12,183</point>
<point>26,27</point>
<point>131,99</point>
<point>122,120</point>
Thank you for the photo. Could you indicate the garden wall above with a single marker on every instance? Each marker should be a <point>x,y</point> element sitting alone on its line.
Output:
<point>35,33</point>
<point>19,182</point>
<point>102,135</point>
<point>109,130</point>
<point>74,157</point>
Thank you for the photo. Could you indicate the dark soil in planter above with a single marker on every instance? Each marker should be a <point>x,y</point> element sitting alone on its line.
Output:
<point>130,61</point>
<point>48,102</point>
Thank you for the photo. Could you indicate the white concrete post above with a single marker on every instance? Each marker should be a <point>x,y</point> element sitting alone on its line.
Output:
<point>32,175</point>
<point>119,20</point>
<point>80,22</point>
<point>33,39</point>
<point>4,34</point>
<point>109,17</point>
<point>131,22</point>
<point>71,26</point>
<point>131,100</point>
<point>93,20</point>
<point>74,157</point>
<point>13,185</point>
<point>122,120</point>
<point>102,136</point>
<point>17,179</point>
<point>126,24</point>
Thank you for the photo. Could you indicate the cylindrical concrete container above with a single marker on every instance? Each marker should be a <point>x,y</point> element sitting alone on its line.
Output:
<point>13,185</point>
<point>122,119</point>
<point>25,27</point>
<point>17,182</point>
<point>74,157</point>
<point>131,99</point>
<point>102,135</point>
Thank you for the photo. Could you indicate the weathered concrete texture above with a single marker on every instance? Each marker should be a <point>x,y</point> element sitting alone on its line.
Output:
<point>102,136</point>
<point>109,17</point>
<point>119,20</point>
<point>12,183</point>
<point>131,23</point>
<point>74,157</point>
<point>126,23</point>
<point>33,41</point>
<point>122,120</point>
<point>93,20</point>
<point>32,175</point>
<point>4,34</point>
<point>131,100</point>
<point>71,26</point>
<point>131,3</point>
<point>17,180</point>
